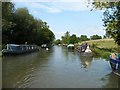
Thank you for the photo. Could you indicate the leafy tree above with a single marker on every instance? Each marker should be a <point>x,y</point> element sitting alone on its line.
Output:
<point>49,36</point>
<point>73,39</point>
<point>65,39</point>
<point>111,18</point>
<point>104,36</point>
<point>83,38</point>
<point>7,21</point>
<point>57,42</point>
<point>24,26</point>
<point>94,37</point>
<point>19,26</point>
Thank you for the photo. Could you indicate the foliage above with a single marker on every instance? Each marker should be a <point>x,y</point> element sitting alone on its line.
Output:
<point>7,20</point>
<point>73,39</point>
<point>100,53</point>
<point>19,26</point>
<point>94,37</point>
<point>57,42</point>
<point>24,26</point>
<point>65,38</point>
<point>111,18</point>
<point>83,38</point>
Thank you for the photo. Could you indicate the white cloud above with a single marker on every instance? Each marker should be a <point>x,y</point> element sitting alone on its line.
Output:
<point>56,7</point>
<point>49,0</point>
<point>71,6</point>
<point>60,0</point>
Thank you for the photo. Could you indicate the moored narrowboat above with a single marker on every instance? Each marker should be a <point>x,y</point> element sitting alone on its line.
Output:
<point>115,64</point>
<point>84,48</point>
<point>14,49</point>
<point>70,46</point>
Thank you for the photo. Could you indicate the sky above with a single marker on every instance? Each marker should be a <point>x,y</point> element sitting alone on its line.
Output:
<point>74,17</point>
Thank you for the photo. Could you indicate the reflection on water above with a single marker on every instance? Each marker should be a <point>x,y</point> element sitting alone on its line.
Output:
<point>112,81</point>
<point>57,68</point>
<point>20,68</point>
<point>86,60</point>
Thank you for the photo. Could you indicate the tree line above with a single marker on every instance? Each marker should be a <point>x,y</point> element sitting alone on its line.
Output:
<point>72,39</point>
<point>19,26</point>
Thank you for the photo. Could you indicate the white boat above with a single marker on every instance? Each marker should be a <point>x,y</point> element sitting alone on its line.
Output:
<point>44,46</point>
<point>70,46</point>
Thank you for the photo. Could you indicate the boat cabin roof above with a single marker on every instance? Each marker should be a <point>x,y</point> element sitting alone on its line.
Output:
<point>19,45</point>
<point>13,45</point>
<point>71,45</point>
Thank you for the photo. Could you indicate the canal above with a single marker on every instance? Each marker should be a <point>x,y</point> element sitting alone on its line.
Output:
<point>57,68</point>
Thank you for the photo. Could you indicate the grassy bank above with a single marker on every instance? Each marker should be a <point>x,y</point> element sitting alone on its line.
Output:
<point>102,47</point>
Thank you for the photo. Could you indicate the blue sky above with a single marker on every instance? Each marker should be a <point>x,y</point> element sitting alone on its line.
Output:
<point>74,17</point>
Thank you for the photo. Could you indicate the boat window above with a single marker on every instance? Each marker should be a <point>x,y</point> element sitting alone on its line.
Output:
<point>22,48</point>
<point>15,47</point>
<point>9,48</point>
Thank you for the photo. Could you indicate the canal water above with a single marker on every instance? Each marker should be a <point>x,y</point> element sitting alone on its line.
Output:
<point>57,68</point>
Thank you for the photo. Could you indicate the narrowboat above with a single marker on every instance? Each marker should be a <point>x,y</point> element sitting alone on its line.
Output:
<point>14,49</point>
<point>44,46</point>
<point>115,65</point>
<point>70,46</point>
<point>47,46</point>
<point>80,49</point>
<point>84,48</point>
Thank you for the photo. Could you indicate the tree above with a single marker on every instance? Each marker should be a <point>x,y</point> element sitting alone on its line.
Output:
<point>19,26</point>
<point>94,37</point>
<point>57,42</point>
<point>104,36</point>
<point>24,26</point>
<point>83,38</point>
<point>7,21</point>
<point>111,18</point>
<point>65,38</point>
<point>73,39</point>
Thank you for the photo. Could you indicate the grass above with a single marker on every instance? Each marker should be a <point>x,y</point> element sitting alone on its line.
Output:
<point>102,47</point>
<point>103,44</point>
<point>100,53</point>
